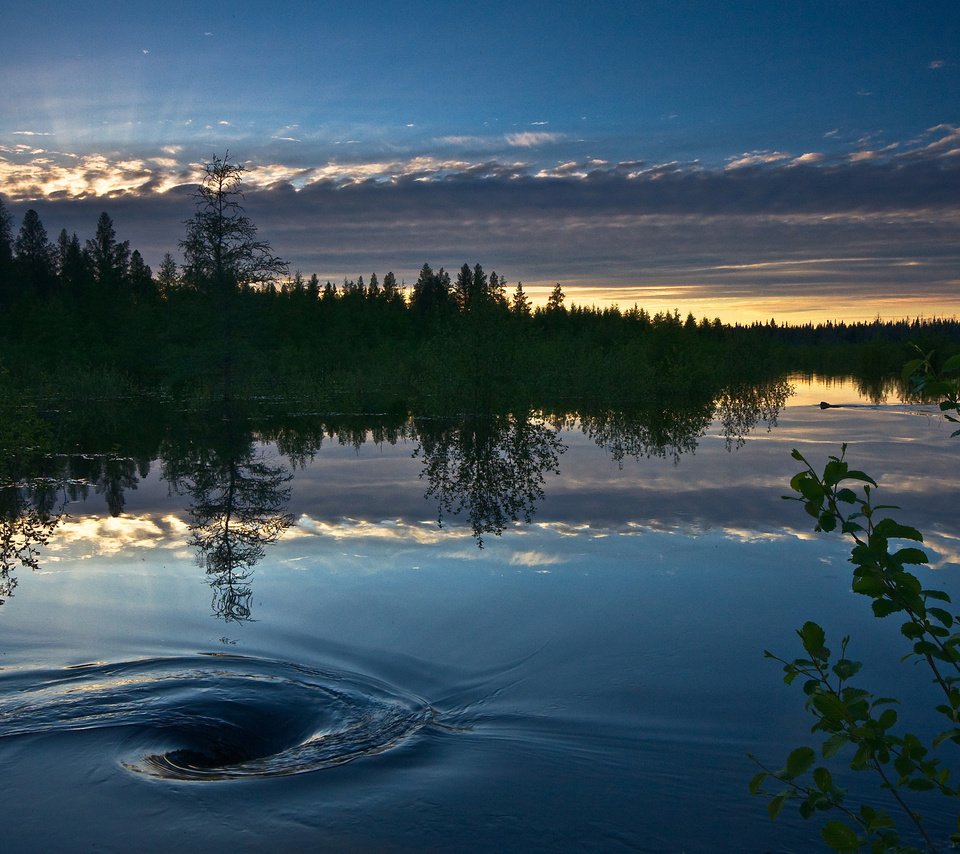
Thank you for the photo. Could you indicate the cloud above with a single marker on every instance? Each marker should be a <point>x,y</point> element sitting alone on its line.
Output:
<point>756,158</point>
<point>937,63</point>
<point>531,139</point>
<point>32,133</point>
<point>873,154</point>
<point>55,175</point>
<point>789,226</point>
<point>946,145</point>
<point>535,559</point>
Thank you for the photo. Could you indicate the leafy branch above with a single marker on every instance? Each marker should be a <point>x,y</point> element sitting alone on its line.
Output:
<point>884,555</point>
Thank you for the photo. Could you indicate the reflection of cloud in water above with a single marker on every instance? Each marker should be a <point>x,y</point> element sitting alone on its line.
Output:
<point>943,549</point>
<point>535,559</point>
<point>424,533</point>
<point>111,535</point>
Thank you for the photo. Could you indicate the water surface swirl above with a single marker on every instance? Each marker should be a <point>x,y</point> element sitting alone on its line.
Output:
<point>216,716</point>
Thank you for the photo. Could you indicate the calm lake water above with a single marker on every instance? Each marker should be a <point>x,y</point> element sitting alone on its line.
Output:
<point>240,640</point>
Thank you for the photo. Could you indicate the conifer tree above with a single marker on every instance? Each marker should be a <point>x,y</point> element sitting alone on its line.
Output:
<point>34,256</point>
<point>520,305</point>
<point>221,248</point>
<point>109,259</point>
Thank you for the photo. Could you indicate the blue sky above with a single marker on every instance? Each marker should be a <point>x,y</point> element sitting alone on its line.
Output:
<point>726,157</point>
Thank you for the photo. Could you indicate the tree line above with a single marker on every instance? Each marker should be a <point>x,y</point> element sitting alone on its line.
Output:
<point>230,314</point>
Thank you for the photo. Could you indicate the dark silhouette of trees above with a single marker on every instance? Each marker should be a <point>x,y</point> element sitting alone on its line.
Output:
<point>6,256</point>
<point>72,266</point>
<point>390,290</point>
<point>490,467</point>
<point>223,255</point>
<point>221,250</point>
<point>555,300</point>
<point>140,277</point>
<point>238,507</point>
<point>520,305</point>
<point>34,268</point>
<point>431,292</point>
<point>109,259</point>
<point>168,276</point>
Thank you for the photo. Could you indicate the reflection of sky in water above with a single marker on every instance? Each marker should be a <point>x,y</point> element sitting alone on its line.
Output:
<point>374,492</point>
<point>607,658</point>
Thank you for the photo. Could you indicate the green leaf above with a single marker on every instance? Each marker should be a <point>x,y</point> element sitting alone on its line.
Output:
<point>827,521</point>
<point>813,638</point>
<point>853,474</point>
<point>894,530</point>
<point>939,595</point>
<point>799,762</point>
<point>840,836</point>
<point>829,706</point>
<point>810,489</point>
<point>942,616</point>
<point>912,556</point>
<point>884,607</point>
<point>887,719</point>
<point>776,804</point>
<point>823,779</point>
<point>950,734</point>
<point>757,782</point>
<point>846,669</point>
<point>834,472</point>
<point>869,585</point>
<point>912,631</point>
<point>834,745</point>
<point>952,364</point>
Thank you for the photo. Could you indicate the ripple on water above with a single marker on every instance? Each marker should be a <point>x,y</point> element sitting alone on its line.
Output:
<point>215,716</point>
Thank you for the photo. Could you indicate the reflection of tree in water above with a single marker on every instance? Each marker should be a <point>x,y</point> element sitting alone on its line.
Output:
<point>673,426</point>
<point>32,495</point>
<point>648,432</point>
<point>741,408</point>
<point>111,475</point>
<point>490,467</point>
<point>24,530</point>
<point>238,508</point>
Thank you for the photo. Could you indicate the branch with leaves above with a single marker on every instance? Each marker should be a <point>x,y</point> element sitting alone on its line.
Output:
<point>885,555</point>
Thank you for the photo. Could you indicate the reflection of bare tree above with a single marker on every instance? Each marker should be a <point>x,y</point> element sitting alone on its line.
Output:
<point>237,509</point>
<point>491,467</point>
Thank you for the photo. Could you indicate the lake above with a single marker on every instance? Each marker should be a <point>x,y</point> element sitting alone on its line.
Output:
<point>227,631</point>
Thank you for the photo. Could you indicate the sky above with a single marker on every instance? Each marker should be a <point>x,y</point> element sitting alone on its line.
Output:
<point>747,160</point>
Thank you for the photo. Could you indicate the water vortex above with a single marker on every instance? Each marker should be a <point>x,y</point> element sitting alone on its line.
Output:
<point>216,716</point>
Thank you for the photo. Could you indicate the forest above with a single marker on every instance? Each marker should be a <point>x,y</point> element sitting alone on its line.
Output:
<point>91,319</point>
